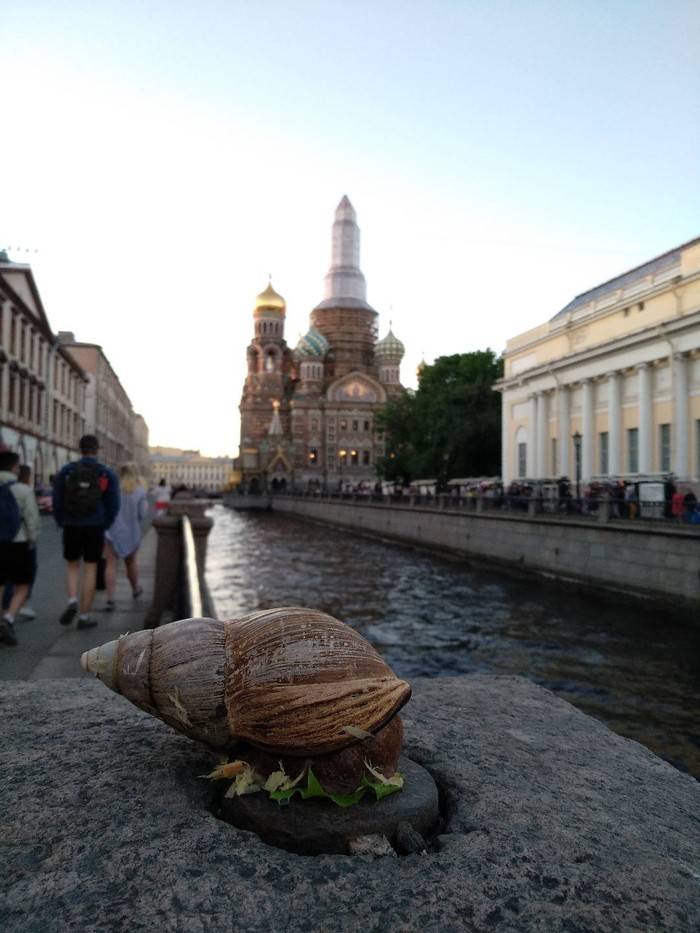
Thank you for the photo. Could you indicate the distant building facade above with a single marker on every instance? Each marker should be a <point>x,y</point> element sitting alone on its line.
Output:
<point>308,413</point>
<point>109,414</point>
<point>610,386</point>
<point>189,468</point>
<point>53,389</point>
<point>43,389</point>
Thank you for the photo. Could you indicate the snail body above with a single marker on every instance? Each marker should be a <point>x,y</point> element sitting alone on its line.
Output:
<point>288,681</point>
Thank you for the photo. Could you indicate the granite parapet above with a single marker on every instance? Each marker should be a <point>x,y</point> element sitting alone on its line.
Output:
<point>549,822</point>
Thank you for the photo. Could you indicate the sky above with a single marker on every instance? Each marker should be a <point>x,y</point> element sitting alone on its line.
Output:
<point>161,160</point>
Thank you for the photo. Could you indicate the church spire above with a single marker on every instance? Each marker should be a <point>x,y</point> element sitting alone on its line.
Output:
<point>345,285</point>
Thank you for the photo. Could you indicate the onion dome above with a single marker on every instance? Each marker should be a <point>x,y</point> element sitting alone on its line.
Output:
<point>314,345</point>
<point>269,300</point>
<point>390,348</point>
<point>422,366</point>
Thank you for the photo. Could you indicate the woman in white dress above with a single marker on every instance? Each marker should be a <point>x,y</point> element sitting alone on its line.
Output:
<point>123,538</point>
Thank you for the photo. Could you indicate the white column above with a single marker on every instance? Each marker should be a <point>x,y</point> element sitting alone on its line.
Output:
<point>588,441</point>
<point>644,403</point>
<point>614,421</point>
<point>505,439</point>
<point>680,417</point>
<point>541,456</point>
<point>563,430</point>
<point>532,438</point>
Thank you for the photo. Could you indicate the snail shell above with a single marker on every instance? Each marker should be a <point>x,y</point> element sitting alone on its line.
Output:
<point>287,680</point>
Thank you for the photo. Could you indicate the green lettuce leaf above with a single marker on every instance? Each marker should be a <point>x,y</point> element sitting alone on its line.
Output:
<point>314,789</point>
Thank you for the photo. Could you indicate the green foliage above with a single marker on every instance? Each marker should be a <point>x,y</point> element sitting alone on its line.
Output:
<point>380,789</point>
<point>451,426</point>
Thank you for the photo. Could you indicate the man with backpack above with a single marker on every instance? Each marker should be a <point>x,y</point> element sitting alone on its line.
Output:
<point>19,530</point>
<point>85,503</point>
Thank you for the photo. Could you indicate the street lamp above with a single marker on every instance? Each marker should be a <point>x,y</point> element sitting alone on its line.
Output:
<point>342,458</point>
<point>577,450</point>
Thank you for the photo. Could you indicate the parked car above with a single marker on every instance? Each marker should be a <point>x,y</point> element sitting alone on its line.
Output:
<point>44,498</point>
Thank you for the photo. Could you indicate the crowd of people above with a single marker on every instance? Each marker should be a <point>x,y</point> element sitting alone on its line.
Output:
<point>101,514</point>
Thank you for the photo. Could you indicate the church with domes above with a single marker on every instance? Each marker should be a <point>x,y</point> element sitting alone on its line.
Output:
<point>308,414</point>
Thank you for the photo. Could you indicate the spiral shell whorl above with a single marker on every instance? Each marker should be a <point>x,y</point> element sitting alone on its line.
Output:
<point>298,678</point>
<point>175,672</point>
<point>287,680</point>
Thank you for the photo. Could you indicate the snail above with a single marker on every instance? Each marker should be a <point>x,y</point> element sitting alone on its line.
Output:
<point>288,684</point>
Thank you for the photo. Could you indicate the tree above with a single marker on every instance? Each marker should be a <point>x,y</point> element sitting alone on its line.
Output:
<point>451,426</point>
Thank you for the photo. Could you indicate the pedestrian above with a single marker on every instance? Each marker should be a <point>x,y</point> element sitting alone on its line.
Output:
<point>677,505</point>
<point>19,530</point>
<point>122,540</point>
<point>25,477</point>
<point>85,504</point>
<point>163,495</point>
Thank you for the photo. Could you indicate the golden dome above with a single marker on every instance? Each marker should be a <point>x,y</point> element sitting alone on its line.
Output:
<point>269,300</point>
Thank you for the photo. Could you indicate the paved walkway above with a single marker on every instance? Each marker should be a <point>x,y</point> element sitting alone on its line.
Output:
<point>49,650</point>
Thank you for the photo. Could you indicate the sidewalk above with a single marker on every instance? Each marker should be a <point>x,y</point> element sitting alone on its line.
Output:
<point>47,649</point>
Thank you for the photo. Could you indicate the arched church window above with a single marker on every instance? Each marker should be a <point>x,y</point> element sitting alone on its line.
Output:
<point>270,363</point>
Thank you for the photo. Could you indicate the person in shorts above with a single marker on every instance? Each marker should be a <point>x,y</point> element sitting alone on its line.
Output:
<point>85,503</point>
<point>17,566</point>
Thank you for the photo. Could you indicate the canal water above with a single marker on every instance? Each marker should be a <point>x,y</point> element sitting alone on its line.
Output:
<point>637,671</point>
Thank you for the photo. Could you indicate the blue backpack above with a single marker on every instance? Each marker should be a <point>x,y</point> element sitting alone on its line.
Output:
<point>10,515</point>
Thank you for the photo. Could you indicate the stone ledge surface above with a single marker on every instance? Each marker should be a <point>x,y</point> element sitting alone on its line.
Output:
<point>552,823</point>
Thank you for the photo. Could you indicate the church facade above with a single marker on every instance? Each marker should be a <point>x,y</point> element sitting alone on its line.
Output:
<point>308,414</point>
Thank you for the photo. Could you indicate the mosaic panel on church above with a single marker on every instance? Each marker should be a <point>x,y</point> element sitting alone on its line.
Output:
<point>355,389</point>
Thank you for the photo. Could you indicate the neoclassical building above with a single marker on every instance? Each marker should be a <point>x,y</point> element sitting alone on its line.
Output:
<point>53,389</point>
<point>188,468</point>
<point>42,387</point>
<point>611,384</point>
<point>308,413</point>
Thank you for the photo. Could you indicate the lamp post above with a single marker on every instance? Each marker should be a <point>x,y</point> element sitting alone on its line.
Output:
<point>342,457</point>
<point>577,451</point>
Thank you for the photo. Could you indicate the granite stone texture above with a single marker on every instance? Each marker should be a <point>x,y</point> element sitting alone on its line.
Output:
<point>549,822</point>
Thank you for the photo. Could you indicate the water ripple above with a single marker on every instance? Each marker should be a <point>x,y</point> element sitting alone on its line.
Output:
<point>432,616</point>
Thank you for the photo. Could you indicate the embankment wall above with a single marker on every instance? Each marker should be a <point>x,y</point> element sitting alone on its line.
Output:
<point>656,562</point>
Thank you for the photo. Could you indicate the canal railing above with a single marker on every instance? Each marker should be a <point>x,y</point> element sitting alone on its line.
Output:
<point>655,559</point>
<point>602,509</point>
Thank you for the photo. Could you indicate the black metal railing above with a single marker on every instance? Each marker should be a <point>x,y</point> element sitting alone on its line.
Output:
<point>588,506</point>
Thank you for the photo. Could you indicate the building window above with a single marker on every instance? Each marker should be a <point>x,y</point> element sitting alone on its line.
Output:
<point>313,458</point>
<point>522,459</point>
<point>365,458</point>
<point>355,425</point>
<point>342,457</point>
<point>603,447</point>
<point>633,450</point>
<point>12,399</point>
<point>343,424</point>
<point>354,457</point>
<point>665,447</point>
<point>368,425</point>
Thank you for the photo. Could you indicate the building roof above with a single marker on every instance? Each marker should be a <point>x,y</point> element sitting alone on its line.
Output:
<point>312,344</point>
<point>269,300</point>
<point>653,266</point>
<point>390,348</point>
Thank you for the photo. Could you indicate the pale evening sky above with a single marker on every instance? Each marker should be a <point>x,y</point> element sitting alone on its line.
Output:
<point>161,159</point>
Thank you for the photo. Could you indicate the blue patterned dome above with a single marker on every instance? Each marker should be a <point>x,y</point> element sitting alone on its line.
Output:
<point>314,344</point>
<point>390,348</point>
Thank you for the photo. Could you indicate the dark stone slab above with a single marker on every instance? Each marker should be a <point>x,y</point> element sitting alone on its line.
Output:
<point>312,827</point>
